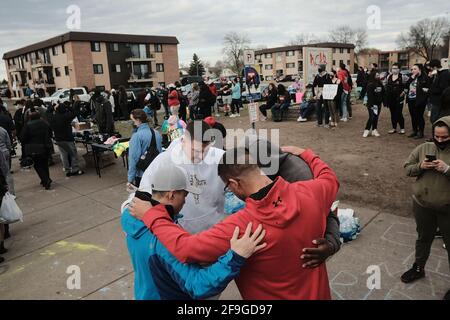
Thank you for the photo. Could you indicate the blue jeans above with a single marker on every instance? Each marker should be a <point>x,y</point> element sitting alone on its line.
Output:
<point>344,98</point>
<point>306,107</point>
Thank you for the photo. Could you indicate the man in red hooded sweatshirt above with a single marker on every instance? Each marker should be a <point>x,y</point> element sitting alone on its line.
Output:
<point>293,215</point>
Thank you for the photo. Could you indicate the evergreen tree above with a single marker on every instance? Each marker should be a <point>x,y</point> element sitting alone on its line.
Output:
<point>196,68</point>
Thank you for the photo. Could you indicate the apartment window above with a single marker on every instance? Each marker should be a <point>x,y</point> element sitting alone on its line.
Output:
<point>269,66</point>
<point>268,55</point>
<point>98,69</point>
<point>158,48</point>
<point>258,57</point>
<point>334,62</point>
<point>138,51</point>
<point>334,50</point>
<point>290,65</point>
<point>26,58</point>
<point>66,70</point>
<point>15,77</point>
<point>29,75</point>
<point>348,63</point>
<point>341,62</point>
<point>55,51</point>
<point>341,50</point>
<point>348,50</point>
<point>57,72</point>
<point>290,53</point>
<point>63,49</point>
<point>95,47</point>
<point>116,68</point>
<point>300,66</point>
<point>160,67</point>
<point>114,47</point>
<point>101,88</point>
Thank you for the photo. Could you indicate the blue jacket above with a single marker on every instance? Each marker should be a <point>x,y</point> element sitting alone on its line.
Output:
<point>160,276</point>
<point>139,144</point>
<point>236,91</point>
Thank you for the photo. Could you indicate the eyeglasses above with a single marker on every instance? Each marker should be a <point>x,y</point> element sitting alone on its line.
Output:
<point>226,189</point>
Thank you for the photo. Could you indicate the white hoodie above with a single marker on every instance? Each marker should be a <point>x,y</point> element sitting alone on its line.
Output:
<point>203,211</point>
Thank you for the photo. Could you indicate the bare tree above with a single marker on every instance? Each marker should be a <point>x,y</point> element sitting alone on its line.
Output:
<point>234,46</point>
<point>346,34</point>
<point>425,37</point>
<point>304,38</point>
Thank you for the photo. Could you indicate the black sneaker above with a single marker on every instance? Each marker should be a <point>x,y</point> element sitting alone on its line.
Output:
<point>413,135</point>
<point>2,259</point>
<point>447,295</point>
<point>3,250</point>
<point>415,273</point>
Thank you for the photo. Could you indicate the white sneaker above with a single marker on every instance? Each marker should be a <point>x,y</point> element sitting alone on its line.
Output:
<point>238,115</point>
<point>232,115</point>
<point>217,115</point>
<point>402,131</point>
<point>392,131</point>
<point>300,119</point>
<point>375,133</point>
<point>366,133</point>
<point>344,119</point>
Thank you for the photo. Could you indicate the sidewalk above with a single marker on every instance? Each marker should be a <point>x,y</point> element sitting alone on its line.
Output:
<point>77,223</point>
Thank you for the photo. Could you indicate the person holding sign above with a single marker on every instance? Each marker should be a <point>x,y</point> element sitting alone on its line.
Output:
<point>320,80</point>
<point>331,95</point>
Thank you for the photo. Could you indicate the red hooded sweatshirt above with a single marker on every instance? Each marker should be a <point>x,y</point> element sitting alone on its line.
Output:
<point>293,215</point>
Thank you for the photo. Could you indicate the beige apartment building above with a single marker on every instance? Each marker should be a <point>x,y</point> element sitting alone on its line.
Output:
<point>93,60</point>
<point>385,59</point>
<point>292,60</point>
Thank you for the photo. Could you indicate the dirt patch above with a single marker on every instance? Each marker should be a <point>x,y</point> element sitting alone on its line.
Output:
<point>370,170</point>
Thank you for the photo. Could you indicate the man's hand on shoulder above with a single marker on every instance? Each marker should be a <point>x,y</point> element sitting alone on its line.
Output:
<point>138,208</point>
<point>314,257</point>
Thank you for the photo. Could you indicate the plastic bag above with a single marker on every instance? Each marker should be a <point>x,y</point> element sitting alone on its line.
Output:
<point>349,225</point>
<point>10,211</point>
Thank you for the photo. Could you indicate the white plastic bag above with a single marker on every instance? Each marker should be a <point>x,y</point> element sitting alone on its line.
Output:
<point>10,211</point>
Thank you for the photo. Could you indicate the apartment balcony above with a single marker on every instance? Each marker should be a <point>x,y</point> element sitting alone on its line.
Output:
<point>141,77</point>
<point>42,83</point>
<point>15,68</point>
<point>40,64</point>
<point>149,58</point>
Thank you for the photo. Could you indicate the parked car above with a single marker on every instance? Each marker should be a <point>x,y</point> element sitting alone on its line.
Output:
<point>287,78</point>
<point>63,95</point>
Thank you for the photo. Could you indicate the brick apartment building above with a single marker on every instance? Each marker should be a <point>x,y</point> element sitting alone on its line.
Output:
<point>93,60</point>
<point>290,60</point>
<point>385,59</point>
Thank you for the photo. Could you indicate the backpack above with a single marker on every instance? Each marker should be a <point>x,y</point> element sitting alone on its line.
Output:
<point>149,155</point>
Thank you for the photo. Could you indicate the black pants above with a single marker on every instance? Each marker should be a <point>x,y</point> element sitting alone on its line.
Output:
<point>263,108</point>
<point>41,167</point>
<point>322,111</point>
<point>372,123</point>
<point>166,109</point>
<point>427,221</point>
<point>397,115</point>
<point>182,113</point>
<point>416,111</point>
<point>349,105</point>
<point>235,105</point>
<point>363,92</point>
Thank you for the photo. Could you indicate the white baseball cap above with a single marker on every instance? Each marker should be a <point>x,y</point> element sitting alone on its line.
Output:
<point>169,177</point>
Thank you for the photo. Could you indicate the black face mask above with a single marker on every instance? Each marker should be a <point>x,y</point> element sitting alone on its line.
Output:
<point>442,145</point>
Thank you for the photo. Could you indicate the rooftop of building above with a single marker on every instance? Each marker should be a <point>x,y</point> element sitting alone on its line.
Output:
<point>90,36</point>
<point>313,45</point>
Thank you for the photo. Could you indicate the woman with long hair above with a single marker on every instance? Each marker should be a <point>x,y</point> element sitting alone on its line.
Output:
<point>271,97</point>
<point>375,93</point>
<point>417,96</point>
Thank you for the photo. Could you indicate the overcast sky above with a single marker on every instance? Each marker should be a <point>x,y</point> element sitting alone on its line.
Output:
<point>201,24</point>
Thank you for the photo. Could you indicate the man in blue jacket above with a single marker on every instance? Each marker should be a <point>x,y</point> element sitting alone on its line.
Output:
<point>139,144</point>
<point>158,274</point>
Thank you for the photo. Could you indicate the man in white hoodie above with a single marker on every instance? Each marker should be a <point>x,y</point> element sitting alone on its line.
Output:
<point>194,153</point>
